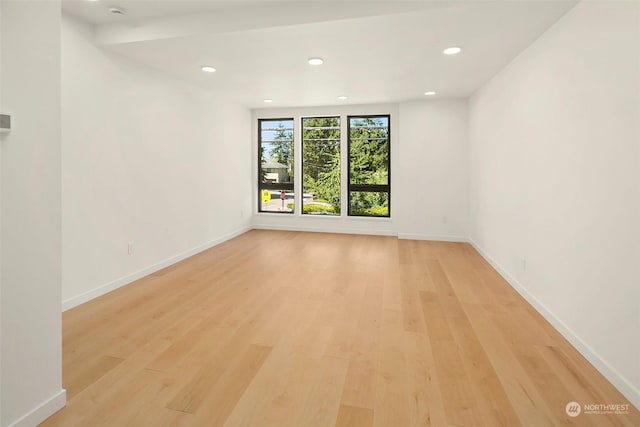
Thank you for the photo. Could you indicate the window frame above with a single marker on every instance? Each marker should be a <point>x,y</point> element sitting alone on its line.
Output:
<point>340,145</point>
<point>275,186</point>
<point>369,188</point>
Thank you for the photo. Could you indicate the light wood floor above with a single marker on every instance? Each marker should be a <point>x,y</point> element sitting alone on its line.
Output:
<point>304,329</point>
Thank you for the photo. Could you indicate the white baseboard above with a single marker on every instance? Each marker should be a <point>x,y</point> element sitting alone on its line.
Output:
<point>435,238</point>
<point>42,411</point>
<point>610,373</point>
<point>113,285</point>
<point>324,229</point>
<point>404,236</point>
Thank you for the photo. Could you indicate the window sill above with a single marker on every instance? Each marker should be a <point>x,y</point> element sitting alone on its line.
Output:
<point>326,217</point>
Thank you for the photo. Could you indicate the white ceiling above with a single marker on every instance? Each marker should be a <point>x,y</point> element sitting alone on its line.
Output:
<point>374,51</point>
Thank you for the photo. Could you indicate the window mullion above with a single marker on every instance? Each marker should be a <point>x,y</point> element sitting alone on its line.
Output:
<point>297,151</point>
<point>344,166</point>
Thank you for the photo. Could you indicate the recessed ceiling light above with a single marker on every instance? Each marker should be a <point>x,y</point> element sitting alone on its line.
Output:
<point>208,69</point>
<point>315,61</point>
<point>453,50</point>
<point>116,10</point>
<point>268,100</point>
<point>430,93</point>
<point>342,97</point>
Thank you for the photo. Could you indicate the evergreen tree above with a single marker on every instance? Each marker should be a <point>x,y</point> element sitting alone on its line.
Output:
<point>369,163</point>
<point>321,159</point>
<point>282,148</point>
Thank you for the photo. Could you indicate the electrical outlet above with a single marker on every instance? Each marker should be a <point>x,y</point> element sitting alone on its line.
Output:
<point>5,122</point>
<point>130,248</point>
<point>523,262</point>
<point>444,219</point>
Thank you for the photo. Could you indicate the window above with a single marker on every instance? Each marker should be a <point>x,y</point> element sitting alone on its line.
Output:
<point>321,166</point>
<point>369,186</point>
<point>275,166</point>
<point>366,162</point>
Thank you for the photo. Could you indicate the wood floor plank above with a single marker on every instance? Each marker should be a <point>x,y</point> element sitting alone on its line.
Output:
<point>291,352</point>
<point>288,401</point>
<point>323,402</point>
<point>492,401</point>
<point>359,386</point>
<point>194,392</point>
<point>520,388</point>
<point>121,403</point>
<point>391,403</point>
<point>426,406</point>
<point>90,372</point>
<point>412,316</point>
<point>221,399</point>
<point>252,407</point>
<point>352,416</point>
<point>290,329</point>
<point>346,325</point>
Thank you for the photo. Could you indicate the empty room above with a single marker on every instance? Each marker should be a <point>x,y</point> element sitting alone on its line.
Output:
<point>319,213</point>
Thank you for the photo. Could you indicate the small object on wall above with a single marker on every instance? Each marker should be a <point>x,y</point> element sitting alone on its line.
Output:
<point>5,123</point>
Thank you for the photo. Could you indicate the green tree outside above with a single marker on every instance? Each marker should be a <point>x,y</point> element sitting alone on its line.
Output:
<point>321,168</point>
<point>369,158</point>
<point>321,163</point>
<point>282,148</point>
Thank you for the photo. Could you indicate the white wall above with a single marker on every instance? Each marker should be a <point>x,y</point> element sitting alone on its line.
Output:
<point>433,172</point>
<point>555,171</point>
<point>30,368</point>
<point>146,159</point>
<point>429,181</point>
